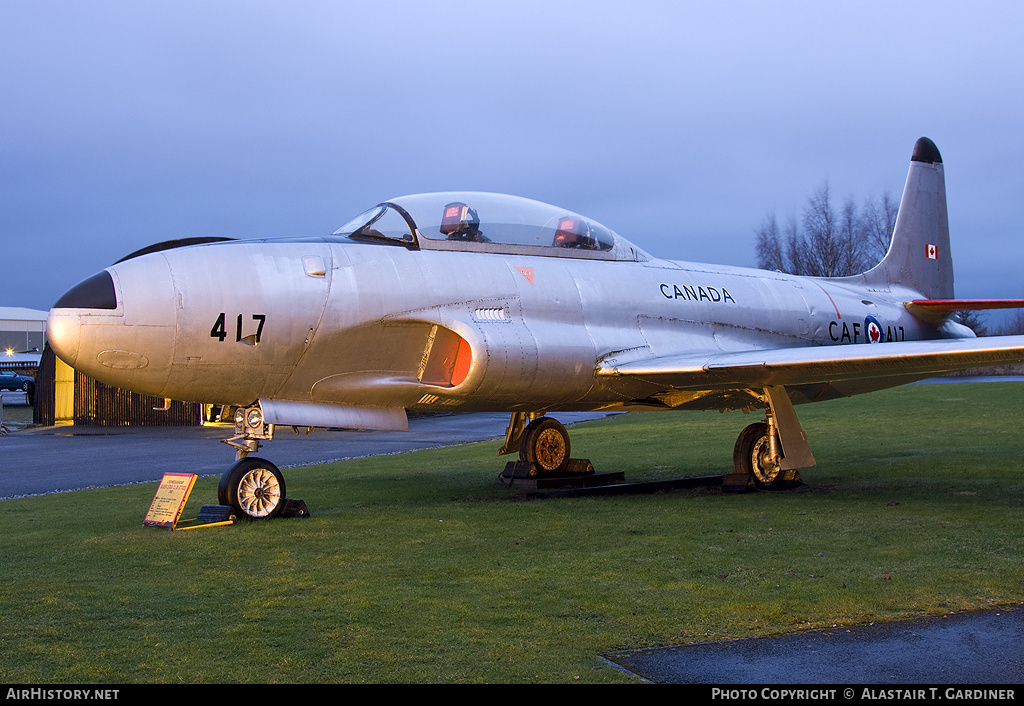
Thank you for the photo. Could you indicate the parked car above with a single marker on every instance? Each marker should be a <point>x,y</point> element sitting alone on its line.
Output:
<point>13,381</point>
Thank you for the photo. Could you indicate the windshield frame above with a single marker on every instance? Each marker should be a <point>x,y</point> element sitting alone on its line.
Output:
<point>525,219</point>
<point>370,217</point>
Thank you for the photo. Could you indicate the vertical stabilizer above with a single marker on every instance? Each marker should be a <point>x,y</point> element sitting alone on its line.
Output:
<point>919,256</point>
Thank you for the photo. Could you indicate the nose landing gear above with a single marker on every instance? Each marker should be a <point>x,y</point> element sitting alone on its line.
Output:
<point>253,487</point>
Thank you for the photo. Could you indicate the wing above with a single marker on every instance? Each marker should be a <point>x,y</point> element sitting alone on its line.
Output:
<point>816,364</point>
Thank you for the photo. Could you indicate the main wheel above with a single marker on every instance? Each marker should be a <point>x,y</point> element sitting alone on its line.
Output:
<point>752,456</point>
<point>254,488</point>
<point>545,443</point>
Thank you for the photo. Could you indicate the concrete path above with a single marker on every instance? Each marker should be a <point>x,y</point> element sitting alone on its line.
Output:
<point>979,647</point>
<point>58,459</point>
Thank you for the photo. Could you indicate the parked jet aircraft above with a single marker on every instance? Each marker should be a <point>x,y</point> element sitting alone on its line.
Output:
<point>484,302</point>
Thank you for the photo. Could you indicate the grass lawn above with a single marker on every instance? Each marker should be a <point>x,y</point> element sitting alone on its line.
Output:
<point>420,567</point>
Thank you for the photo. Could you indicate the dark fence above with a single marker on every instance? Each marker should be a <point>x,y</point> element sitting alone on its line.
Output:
<point>98,404</point>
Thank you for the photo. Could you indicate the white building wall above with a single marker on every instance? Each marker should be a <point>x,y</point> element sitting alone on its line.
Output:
<point>21,329</point>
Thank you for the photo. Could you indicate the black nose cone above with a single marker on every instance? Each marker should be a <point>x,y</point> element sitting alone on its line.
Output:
<point>97,292</point>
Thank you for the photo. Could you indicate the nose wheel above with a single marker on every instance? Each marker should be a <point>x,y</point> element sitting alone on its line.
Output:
<point>254,488</point>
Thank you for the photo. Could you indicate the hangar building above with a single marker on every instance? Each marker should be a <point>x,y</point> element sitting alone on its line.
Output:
<point>22,338</point>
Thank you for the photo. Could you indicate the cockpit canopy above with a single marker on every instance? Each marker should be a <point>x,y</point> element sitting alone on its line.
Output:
<point>483,222</point>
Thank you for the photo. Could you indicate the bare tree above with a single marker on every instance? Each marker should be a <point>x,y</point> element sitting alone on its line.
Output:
<point>796,250</point>
<point>973,320</point>
<point>769,246</point>
<point>823,248</point>
<point>851,226</point>
<point>879,219</point>
<point>827,242</point>
<point>1013,326</point>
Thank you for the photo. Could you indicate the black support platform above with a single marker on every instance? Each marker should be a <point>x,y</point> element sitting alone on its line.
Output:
<point>581,479</point>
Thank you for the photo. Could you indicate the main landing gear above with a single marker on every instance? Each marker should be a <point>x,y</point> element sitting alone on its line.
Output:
<point>769,454</point>
<point>543,446</point>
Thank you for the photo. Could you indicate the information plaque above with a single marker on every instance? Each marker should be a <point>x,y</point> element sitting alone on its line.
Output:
<point>170,499</point>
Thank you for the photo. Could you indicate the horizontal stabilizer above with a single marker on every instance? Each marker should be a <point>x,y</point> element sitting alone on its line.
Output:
<point>967,304</point>
<point>934,311</point>
<point>818,364</point>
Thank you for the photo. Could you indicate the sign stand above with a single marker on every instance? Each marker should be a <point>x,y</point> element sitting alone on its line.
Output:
<point>170,499</point>
<point>209,516</point>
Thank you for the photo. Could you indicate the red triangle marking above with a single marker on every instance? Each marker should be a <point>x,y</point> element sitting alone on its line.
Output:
<point>526,272</point>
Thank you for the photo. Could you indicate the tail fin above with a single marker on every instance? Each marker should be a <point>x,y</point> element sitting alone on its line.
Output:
<point>919,256</point>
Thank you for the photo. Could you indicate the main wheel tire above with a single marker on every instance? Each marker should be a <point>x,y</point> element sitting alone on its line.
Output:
<point>545,443</point>
<point>751,456</point>
<point>254,488</point>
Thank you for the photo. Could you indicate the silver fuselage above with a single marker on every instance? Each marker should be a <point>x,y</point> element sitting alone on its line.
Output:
<point>330,321</point>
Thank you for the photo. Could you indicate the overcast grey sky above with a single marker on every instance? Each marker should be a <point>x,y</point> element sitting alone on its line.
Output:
<point>678,124</point>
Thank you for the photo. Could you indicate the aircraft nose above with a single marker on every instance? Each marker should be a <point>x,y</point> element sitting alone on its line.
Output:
<point>64,324</point>
<point>118,325</point>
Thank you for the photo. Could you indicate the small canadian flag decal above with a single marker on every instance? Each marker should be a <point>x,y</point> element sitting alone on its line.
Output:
<point>931,251</point>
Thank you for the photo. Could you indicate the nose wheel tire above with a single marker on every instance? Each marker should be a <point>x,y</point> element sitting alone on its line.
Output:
<point>751,456</point>
<point>545,443</point>
<point>254,488</point>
